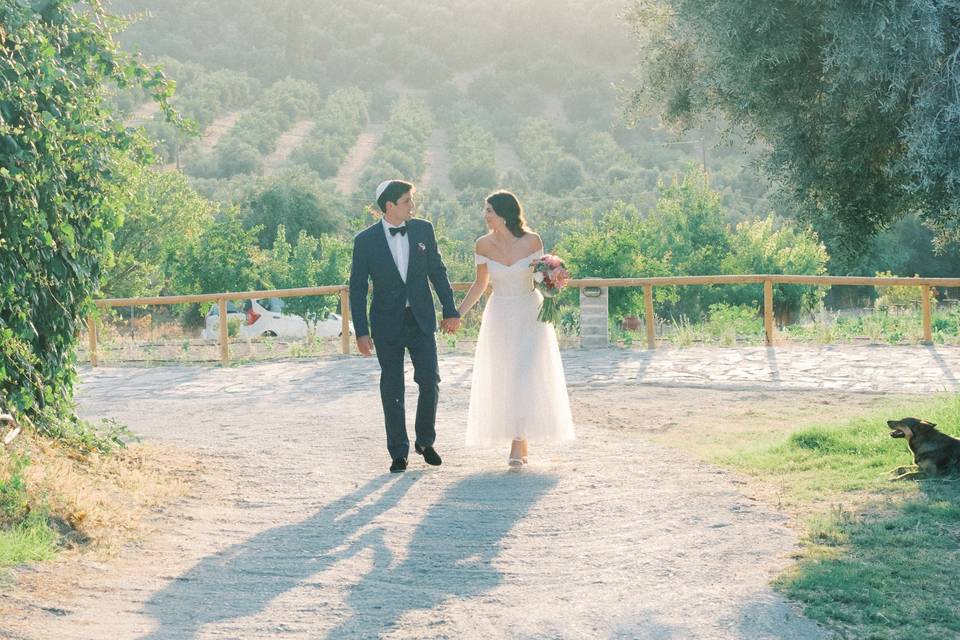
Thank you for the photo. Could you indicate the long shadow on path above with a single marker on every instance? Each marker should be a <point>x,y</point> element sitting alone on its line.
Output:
<point>950,379</point>
<point>244,578</point>
<point>450,555</point>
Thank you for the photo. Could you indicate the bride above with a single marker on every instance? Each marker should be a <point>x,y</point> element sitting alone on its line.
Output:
<point>519,392</point>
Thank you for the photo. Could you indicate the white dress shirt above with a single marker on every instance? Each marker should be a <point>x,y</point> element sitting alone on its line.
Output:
<point>399,244</point>
<point>399,247</point>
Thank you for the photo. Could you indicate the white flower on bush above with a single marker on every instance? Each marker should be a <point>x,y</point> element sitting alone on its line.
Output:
<point>537,277</point>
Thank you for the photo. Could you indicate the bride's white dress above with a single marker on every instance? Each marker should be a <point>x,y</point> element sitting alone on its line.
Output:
<point>519,390</point>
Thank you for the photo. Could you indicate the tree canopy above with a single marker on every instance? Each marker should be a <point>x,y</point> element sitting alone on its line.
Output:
<point>858,102</point>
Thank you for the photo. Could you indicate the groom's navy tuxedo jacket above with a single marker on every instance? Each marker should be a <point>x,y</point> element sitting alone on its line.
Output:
<point>372,261</point>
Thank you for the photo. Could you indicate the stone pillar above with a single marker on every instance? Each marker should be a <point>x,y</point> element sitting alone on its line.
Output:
<point>594,327</point>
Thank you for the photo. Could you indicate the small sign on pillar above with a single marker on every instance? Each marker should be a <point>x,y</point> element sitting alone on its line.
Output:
<point>594,325</point>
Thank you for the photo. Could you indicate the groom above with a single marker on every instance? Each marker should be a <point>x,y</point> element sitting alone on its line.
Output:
<point>399,253</point>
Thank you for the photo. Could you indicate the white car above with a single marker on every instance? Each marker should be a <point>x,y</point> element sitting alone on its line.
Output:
<point>211,324</point>
<point>331,327</point>
<point>265,317</point>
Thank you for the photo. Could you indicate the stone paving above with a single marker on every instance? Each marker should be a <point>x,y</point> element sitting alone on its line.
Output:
<point>857,368</point>
<point>853,368</point>
<point>861,368</point>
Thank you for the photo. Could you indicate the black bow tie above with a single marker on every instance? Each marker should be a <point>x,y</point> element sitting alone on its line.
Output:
<point>395,230</point>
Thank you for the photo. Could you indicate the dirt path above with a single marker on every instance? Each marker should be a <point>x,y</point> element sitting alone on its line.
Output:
<point>297,531</point>
<point>348,176</point>
<point>212,134</point>
<point>437,173</point>
<point>286,143</point>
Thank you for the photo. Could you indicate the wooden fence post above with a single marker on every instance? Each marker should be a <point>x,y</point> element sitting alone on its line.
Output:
<point>925,305</point>
<point>768,311</point>
<point>92,339</point>
<point>224,346</point>
<point>345,321</point>
<point>649,317</point>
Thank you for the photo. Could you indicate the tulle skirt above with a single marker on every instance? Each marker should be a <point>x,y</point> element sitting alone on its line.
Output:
<point>518,389</point>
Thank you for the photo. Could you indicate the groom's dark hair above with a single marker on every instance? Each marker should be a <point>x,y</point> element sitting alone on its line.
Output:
<point>392,193</point>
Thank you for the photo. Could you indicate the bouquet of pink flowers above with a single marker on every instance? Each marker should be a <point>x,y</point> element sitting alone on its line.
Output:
<point>550,276</point>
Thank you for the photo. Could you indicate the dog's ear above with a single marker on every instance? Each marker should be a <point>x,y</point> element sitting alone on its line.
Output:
<point>928,424</point>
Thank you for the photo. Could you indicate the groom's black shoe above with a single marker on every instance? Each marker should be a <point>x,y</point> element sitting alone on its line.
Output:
<point>429,455</point>
<point>399,464</point>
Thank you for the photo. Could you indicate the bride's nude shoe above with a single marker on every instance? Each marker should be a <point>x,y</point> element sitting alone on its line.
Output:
<point>515,459</point>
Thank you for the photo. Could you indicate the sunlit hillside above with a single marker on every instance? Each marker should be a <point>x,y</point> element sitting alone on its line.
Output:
<point>460,97</point>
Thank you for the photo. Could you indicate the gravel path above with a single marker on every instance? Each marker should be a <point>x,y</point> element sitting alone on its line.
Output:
<point>297,531</point>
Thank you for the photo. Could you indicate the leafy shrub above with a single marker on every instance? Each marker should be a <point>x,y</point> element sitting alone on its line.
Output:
<point>727,322</point>
<point>57,168</point>
<point>563,175</point>
<point>900,296</point>
<point>761,246</point>
<point>610,248</point>
<point>297,199</point>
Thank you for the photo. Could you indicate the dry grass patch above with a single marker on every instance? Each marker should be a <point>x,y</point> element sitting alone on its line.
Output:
<point>103,500</point>
<point>80,508</point>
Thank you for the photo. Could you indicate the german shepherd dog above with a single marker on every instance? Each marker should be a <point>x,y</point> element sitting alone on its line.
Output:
<point>934,453</point>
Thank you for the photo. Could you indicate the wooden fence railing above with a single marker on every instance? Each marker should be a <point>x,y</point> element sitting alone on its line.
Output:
<point>221,300</point>
<point>767,280</point>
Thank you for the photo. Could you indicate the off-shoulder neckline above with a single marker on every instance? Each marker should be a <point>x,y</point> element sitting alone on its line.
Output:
<point>513,263</point>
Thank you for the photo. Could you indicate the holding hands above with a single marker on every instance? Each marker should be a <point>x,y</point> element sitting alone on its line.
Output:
<point>365,343</point>
<point>450,325</point>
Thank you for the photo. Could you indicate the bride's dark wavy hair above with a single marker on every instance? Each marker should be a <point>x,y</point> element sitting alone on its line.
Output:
<point>506,205</point>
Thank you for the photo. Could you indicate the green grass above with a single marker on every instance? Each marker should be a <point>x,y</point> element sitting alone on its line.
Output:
<point>880,559</point>
<point>30,540</point>
<point>24,533</point>
<point>824,462</point>
<point>885,573</point>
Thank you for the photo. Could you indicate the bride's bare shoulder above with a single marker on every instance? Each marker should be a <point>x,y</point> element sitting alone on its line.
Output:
<point>536,242</point>
<point>483,244</point>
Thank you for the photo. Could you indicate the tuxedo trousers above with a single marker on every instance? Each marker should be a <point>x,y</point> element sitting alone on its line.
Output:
<point>391,353</point>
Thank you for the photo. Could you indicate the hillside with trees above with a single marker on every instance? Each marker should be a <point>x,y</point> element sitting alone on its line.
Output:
<point>551,87</point>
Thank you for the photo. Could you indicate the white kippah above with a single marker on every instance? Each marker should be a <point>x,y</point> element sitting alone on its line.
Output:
<point>382,187</point>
